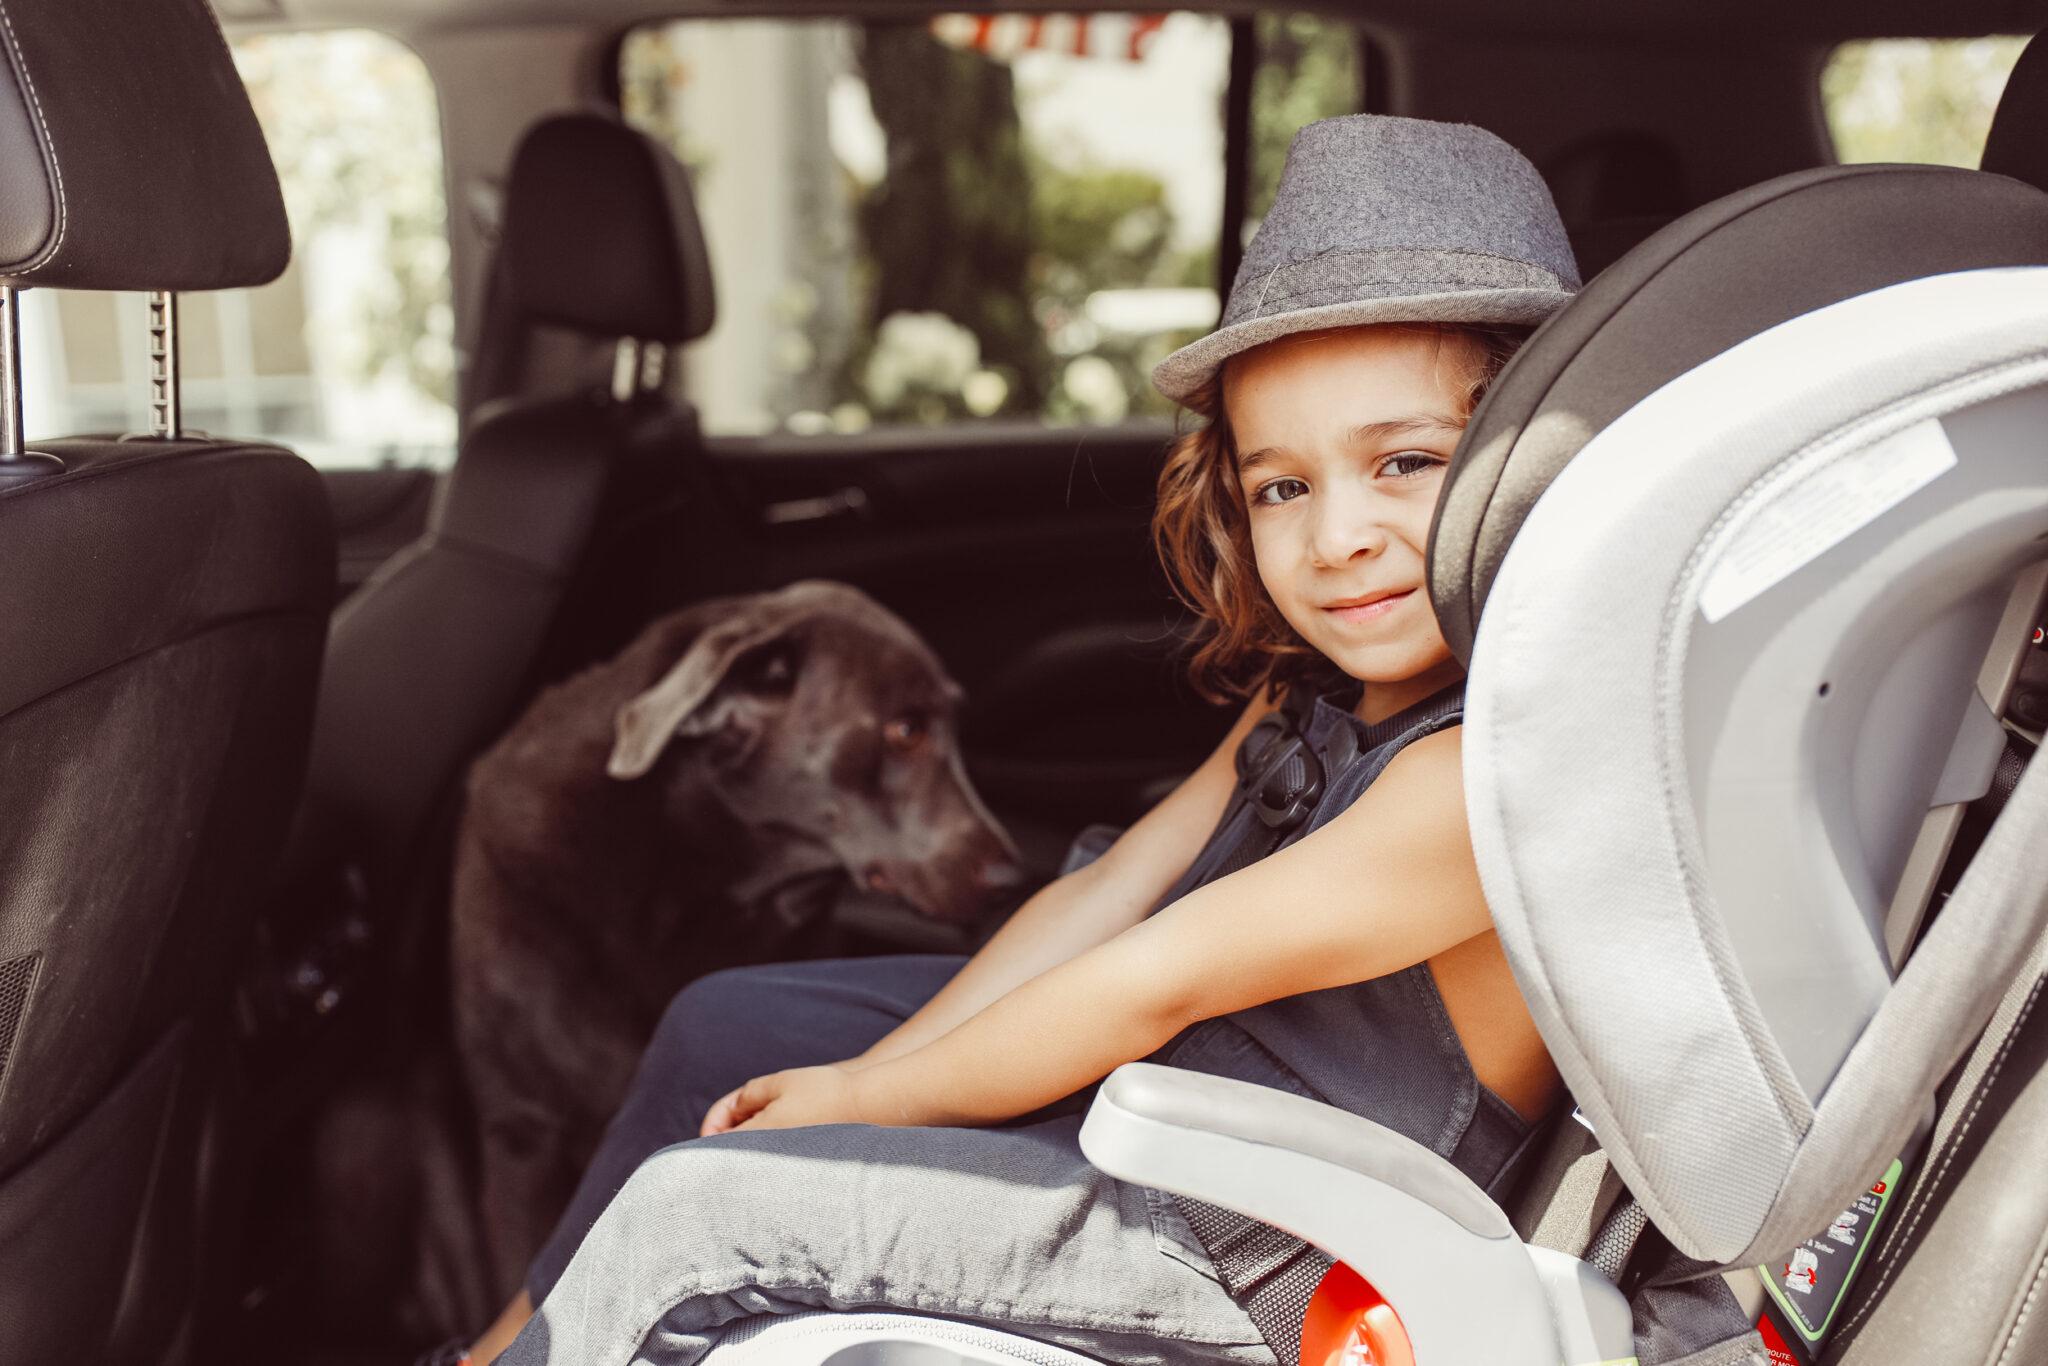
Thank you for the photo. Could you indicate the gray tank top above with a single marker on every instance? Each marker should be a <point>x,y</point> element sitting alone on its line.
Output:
<point>1383,1049</point>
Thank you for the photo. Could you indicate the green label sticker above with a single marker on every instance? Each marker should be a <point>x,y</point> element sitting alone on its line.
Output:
<point>1809,1286</point>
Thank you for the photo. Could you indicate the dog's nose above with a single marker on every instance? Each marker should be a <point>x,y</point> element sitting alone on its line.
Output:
<point>996,874</point>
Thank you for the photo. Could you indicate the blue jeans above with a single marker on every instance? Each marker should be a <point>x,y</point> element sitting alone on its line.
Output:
<point>667,1239</point>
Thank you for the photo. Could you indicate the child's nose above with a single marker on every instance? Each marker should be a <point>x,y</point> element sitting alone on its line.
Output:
<point>1346,530</point>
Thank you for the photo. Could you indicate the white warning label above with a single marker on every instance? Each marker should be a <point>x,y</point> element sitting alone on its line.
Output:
<point>1806,519</point>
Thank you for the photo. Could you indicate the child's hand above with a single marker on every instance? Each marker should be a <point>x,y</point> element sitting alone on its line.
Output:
<point>788,1100</point>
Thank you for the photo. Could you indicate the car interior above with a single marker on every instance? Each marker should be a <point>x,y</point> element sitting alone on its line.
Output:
<point>240,691</point>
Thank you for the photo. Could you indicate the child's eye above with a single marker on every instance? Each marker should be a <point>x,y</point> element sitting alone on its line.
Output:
<point>1280,491</point>
<point>1408,464</point>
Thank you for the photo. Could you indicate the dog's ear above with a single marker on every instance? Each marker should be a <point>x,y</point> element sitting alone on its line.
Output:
<point>676,704</point>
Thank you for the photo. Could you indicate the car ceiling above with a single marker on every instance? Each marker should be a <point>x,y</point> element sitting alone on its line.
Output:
<point>1617,21</point>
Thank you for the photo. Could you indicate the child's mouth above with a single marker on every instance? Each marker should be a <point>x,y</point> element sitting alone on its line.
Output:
<point>1370,608</point>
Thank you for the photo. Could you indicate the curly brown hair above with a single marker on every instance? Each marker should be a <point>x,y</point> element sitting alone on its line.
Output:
<point>1240,645</point>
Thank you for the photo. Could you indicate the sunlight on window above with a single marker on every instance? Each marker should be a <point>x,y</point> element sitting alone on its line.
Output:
<point>1916,99</point>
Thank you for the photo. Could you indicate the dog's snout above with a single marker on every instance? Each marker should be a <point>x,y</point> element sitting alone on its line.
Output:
<point>996,874</point>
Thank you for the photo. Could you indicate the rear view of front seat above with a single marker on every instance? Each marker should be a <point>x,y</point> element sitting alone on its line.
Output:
<point>600,237</point>
<point>162,609</point>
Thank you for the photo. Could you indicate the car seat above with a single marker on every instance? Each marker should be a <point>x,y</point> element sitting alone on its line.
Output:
<point>425,661</point>
<point>1744,551</point>
<point>163,600</point>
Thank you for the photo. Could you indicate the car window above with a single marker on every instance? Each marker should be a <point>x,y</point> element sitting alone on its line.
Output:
<point>1916,99</point>
<point>348,358</point>
<point>974,217</point>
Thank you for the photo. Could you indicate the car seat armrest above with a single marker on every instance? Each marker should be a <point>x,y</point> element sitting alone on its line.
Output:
<point>1467,1290</point>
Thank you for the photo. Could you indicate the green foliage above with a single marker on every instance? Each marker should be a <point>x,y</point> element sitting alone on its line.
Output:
<point>1308,69</point>
<point>1098,228</point>
<point>1913,99</point>
<point>949,230</point>
<point>354,133</point>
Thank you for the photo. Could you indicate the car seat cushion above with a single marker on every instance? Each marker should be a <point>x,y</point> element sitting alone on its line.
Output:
<point>1590,736</point>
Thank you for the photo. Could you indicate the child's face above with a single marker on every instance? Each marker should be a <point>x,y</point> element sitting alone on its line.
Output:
<point>1342,441</point>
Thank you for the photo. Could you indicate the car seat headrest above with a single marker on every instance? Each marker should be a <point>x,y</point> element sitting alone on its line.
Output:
<point>1700,285</point>
<point>1728,679</point>
<point>600,234</point>
<point>2018,144</point>
<point>129,155</point>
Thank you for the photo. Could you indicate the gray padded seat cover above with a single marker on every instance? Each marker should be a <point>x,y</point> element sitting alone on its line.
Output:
<point>427,659</point>
<point>1715,277</point>
<point>162,607</point>
<point>1728,1177</point>
<point>1692,767</point>
<point>1957,1277</point>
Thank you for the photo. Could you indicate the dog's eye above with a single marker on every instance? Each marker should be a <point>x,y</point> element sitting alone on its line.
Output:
<point>906,732</point>
<point>770,669</point>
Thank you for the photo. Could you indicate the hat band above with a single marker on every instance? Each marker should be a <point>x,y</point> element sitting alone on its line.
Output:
<point>1380,273</point>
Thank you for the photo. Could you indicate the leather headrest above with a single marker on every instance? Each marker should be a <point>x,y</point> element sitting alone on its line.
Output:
<point>601,234</point>
<point>2018,145</point>
<point>129,156</point>
<point>1716,277</point>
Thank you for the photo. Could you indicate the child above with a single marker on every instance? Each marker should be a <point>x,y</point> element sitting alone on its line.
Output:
<point>1328,937</point>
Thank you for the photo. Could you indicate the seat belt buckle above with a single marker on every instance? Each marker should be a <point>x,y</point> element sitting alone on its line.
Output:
<point>1804,1293</point>
<point>1279,773</point>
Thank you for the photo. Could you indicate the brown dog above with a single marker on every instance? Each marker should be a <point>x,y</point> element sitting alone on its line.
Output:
<point>689,806</point>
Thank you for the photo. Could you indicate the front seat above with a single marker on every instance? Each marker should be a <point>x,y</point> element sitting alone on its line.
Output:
<point>162,609</point>
<point>425,662</point>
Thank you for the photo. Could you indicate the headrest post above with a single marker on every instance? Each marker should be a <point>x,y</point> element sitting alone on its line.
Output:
<point>18,464</point>
<point>626,370</point>
<point>165,419</point>
<point>12,445</point>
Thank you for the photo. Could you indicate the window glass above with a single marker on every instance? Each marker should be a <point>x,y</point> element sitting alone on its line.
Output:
<point>1915,99</point>
<point>972,217</point>
<point>979,216</point>
<point>1309,68</point>
<point>348,357</point>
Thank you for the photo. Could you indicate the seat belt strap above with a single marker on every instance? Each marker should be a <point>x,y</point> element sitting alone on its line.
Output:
<point>1617,1238</point>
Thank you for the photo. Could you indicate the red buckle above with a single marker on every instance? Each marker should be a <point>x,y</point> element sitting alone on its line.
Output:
<point>1350,1324</point>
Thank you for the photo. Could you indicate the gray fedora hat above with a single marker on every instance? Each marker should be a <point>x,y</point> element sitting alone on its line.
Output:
<point>1382,220</point>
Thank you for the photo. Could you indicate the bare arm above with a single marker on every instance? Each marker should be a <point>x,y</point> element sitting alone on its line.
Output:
<point>1309,917</point>
<point>1076,913</point>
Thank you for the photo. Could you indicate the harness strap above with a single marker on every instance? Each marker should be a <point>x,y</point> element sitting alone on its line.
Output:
<point>1272,1275</point>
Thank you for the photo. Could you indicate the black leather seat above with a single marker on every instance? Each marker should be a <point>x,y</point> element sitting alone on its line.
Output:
<point>162,608</point>
<point>425,662</point>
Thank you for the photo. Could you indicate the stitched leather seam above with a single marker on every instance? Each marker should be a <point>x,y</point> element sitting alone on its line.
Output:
<point>49,143</point>
<point>1955,1144</point>
<point>2026,1308</point>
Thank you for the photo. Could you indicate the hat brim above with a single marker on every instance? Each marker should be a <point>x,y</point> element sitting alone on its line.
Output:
<point>1184,372</point>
